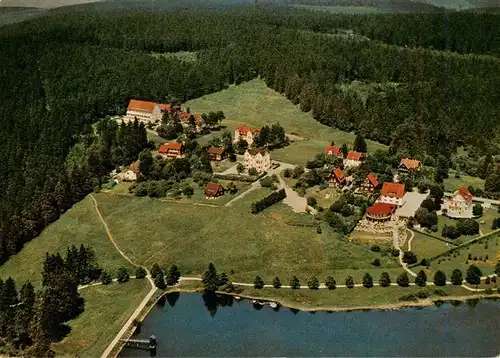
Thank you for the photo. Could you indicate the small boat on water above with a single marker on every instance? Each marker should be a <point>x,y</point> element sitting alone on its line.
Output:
<point>260,303</point>
<point>237,298</point>
<point>273,304</point>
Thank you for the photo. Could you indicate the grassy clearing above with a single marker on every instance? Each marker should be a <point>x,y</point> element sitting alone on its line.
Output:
<point>254,104</point>
<point>79,225</point>
<point>426,247</point>
<point>191,236</point>
<point>325,197</point>
<point>486,220</point>
<point>344,297</point>
<point>107,308</point>
<point>451,184</point>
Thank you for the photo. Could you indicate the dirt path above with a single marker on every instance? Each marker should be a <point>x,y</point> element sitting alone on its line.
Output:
<point>141,305</point>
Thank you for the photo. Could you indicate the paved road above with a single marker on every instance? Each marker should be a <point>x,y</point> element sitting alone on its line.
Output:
<point>141,305</point>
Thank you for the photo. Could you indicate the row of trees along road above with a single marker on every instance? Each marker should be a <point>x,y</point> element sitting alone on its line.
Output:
<point>63,72</point>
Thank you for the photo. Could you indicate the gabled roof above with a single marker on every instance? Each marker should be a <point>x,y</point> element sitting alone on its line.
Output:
<point>373,180</point>
<point>380,209</point>
<point>339,174</point>
<point>354,156</point>
<point>410,164</point>
<point>164,107</point>
<point>255,151</point>
<point>465,193</point>
<point>215,150</point>
<point>334,149</point>
<point>141,106</point>
<point>245,130</point>
<point>171,145</point>
<point>212,188</point>
<point>394,190</point>
<point>184,116</point>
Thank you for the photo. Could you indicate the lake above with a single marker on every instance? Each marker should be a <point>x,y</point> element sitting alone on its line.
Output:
<point>202,325</point>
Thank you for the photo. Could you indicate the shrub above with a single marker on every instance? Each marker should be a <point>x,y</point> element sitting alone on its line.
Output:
<point>375,248</point>
<point>106,278</point>
<point>267,201</point>
<point>253,172</point>
<point>267,182</point>
<point>395,252</point>
<point>468,226</point>
<point>287,173</point>
<point>440,278</point>
<point>313,283</point>
<point>330,283</point>
<point>122,275</point>
<point>477,210</point>
<point>409,258</point>
<point>140,272</point>
<point>451,232</point>
<point>422,294</point>
<point>367,280</point>
<point>376,262</point>
<point>440,292</point>
<point>410,297</point>
<point>258,283</point>
<point>349,282</point>
<point>385,279</point>
<point>487,281</point>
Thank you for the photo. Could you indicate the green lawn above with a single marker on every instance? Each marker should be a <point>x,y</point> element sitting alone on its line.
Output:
<point>452,184</point>
<point>325,197</point>
<point>78,225</point>
<point>426,247</point>
<point>486,220</point>
<point>254,104</point>
<point>192,236</point>
<point>107,308</point>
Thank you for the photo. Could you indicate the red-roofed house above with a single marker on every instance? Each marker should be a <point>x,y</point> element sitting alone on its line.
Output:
<point>171,150</point>
<point>460,204</point>
<point>380,212</point>
<point>216,154</point>
<point>246,133</point>
<point>407,165</point>
<point>392,193</point>
<point>370,184</point>
<point>353,159</point>
<point>213,190</point>
<point>144,111</point>
<point>337,178</point>
<point>333,150</point>
<point>165,107</point>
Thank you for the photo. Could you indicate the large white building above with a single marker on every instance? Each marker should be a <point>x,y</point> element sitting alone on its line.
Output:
<point>460,204</point>
<point>257,158</point>
<point>392,193</point>
<point>144,111</point>
<point>245,133</point>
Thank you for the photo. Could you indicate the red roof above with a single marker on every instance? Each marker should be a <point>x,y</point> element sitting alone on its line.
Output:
<point>213,188</point>
<point>380,209</point>
<point>339,174</point>
<point>395,190</point>
<point>185,116</point>
<point>373,180</point>
<point>170,146</point>
<point>354,156</point>
<point>245,130</point>
<point>336,150</point>
<point>164,107</point>
<point>465,193</point>
<point>215,150</point>
<point>411,164</point>
<point>141,106</point>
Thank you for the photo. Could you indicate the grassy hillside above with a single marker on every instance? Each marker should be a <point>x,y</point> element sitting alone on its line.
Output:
<point>107,308</point>
<point>79,225</point>
<point>254,104</point>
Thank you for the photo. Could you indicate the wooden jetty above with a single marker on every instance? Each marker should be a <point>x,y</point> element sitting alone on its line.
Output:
<point>141,343</point>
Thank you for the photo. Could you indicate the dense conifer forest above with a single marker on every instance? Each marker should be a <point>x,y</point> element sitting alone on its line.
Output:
<point>63,72</point>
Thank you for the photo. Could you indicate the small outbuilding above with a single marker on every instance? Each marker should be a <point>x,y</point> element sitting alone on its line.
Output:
<point>213,190</point>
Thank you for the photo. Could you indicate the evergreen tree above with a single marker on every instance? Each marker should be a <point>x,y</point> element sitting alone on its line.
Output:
<point>456,277</point>
<point>330,283</point>
<point>360,144</point>
<point>106,278</point>
<point>440,278</point>
<point>258,283</point>
<point>160,281</point>
<point>210,279</point>
<point>403,280</point>
<point>140,272</point>
<point>345,150</point>
<point>421,278</point>
<point>155,270</point>
<point>349,282</point>
<point>276,282</point>
<point>294,283</point>
<point>497,268</point>
<point>367,280</point>
<point>473,275</point>
<point>313,283</point>
<point>385,279</point>
<point>122,275</point>
<point>173,275</point>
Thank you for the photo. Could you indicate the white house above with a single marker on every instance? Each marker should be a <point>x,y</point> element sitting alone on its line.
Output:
<point>144,111</point>
<point>353,159</point>
<point>460,204</point>
<point>392,193</point>
<point>245,133</point>
<point>257,158</point>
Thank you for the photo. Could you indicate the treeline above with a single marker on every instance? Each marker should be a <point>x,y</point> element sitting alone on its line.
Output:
<point>61,73</point>
<point>30,321</point>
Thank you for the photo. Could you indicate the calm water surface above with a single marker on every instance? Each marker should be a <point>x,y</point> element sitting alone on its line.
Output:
<point>198,325</point>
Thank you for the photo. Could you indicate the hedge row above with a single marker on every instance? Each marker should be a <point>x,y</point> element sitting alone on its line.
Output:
<point>273,198</point>
<point>237,177</point>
